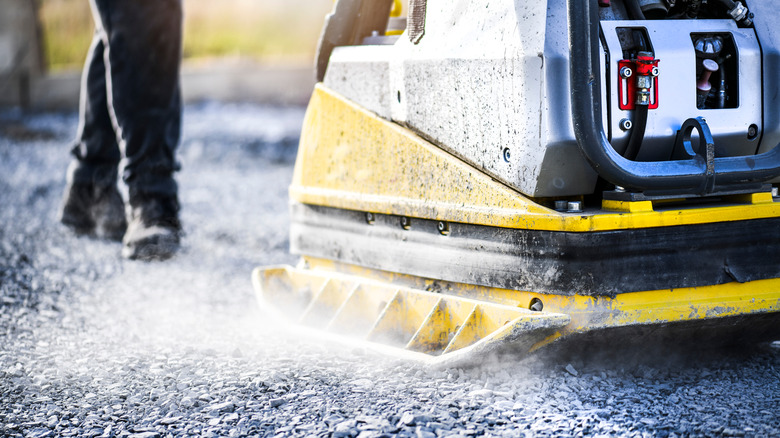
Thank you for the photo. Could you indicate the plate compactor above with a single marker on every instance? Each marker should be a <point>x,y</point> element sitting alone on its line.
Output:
<point>510,174</point>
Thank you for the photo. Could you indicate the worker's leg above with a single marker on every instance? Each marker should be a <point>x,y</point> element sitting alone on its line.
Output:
<point>92,203</point>
<point>143,40</point>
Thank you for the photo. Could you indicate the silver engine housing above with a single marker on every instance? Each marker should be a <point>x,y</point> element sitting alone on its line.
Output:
<point>491,85</point>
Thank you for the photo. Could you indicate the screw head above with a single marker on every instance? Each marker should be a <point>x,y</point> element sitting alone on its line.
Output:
<point>405,222</point>
<point>626,72</point>
<point>444,228</point>
<point>370,217</point>
<point>654,71</point>
<point>625,124</point>
<point>752,132</point>
<point>507,154</point>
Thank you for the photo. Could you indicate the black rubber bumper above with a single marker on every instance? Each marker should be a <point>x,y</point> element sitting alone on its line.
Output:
<point>596,263</point>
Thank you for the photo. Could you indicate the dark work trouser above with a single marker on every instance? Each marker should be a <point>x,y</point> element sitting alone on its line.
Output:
<point>130,101</point>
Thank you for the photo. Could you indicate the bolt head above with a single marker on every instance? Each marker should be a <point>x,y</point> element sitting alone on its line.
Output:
<point>626,72</point>
<point>752,132</point>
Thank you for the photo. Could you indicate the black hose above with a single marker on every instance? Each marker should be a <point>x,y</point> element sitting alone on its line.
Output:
<point>731,6</point>
<point>722,86</point>
<point>637,136</point>
<point>728,4</point>
<point>639,118</point>
<point>634,11</point>
<point>640,42</point>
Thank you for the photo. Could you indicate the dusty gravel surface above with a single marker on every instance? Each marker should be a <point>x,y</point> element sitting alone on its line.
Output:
<point>93,345</point>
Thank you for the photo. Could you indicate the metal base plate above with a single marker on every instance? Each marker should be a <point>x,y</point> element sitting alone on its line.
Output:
<point>562,263</point>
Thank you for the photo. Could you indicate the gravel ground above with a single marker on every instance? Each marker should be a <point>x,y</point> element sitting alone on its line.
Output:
<point>94,345</point>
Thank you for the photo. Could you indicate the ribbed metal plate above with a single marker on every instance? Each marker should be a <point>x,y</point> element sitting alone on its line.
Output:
<point>442,327</point>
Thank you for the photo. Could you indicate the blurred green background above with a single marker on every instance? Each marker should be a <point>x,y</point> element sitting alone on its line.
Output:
<point>266,30</point>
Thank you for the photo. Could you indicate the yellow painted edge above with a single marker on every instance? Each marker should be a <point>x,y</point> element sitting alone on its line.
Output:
<point>670,305</point>
<point>586,313</point>
<point>658,306</point>
<point>626,207</point>
<point>340,139</point>
<point>752,198</point>
<point>665,306</point>
<point>519,219</point>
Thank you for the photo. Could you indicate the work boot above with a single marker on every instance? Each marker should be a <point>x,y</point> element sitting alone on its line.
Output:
<point>96,210</point>
<point>154,229</point>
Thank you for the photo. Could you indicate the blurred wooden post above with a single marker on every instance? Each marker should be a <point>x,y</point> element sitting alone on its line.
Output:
<point>21,54</point>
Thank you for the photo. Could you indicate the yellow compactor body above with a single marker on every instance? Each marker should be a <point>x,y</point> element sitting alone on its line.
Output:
<point>472,177</point>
